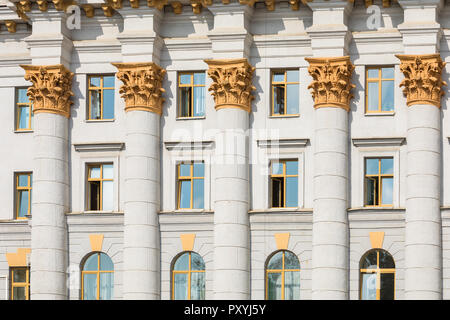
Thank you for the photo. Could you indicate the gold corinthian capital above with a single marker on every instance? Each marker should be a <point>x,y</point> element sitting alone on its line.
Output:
<point>423,78</point>
<point>232,83</point>
<point>142,86</point>
<point>331,83</point>
<point>51,88</point>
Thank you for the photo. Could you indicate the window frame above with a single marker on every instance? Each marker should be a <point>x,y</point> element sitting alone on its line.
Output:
<point>284,83</point>
<point>96,272</point>
<point>284,176</point>
<point>25,284</point>
<point>188,272</point>
<point>379,176</point>
<point>17,189</point>
<point>379,80</point>
<point>192,86</point>
<point>101,89</point>
<point>378,272</point>
<point>17,106</point>
<point>189,178</point>
<point>283,270</point>
<point>89,166</point>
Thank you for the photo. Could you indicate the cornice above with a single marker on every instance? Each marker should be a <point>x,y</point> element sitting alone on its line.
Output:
<point>188,145</point>
<point>283,143</point>
<point>100,146</point>
<point>378,142</point>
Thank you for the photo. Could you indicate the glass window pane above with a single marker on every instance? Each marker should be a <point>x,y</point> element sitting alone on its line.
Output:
<point>108,81</point>
<point>292,285</point>
<point>277,167</point>
<point>182,263</point>
<point>278,100</point>
<point>292,167</point>
<point>108,171</point>
<point>23,203</point>
<point>19,293</point>
<point>20,275</point>
<point>199,78</point>
<point>372,99</point>
<point>291,192</point>
<point>370,260</point>
<point>24,116</point>
<point>185,78</point>
<point>23,180</point>
<point>387,166</point>
<point>371,166</point>
<point>387,286</point>
<point>108,104</point>
<point>89,286</point>
<point>274,286</point>
<point>95,104</point>
<point>369,286</point>
<point>386,190</point>
<point>180,286</point>
<point>198,196</point>
<point>185,169</point>
<point>106,263</point>
<point>373,73</point>
<point>292,98</point>
<point>278,77</point>
<point>106,285</point>
<point>387,95</point>
<point>277,192</point>
<point>292,76</point>
<point>199,169</point>
<point>94,81</point>
<point>387,73</point>
<point>199,101</point>
<point>91,263</point>
<point>291,261</point>
<point>197,262</point>
<point>94,172</point>
<point>198,286</point>
<point>107,196</point>
<point>22,96</point>
<point>185,194</point>
<point>371,191</point>
<point>276,261</point>
<point>386,260</point>
<point>185,101</point>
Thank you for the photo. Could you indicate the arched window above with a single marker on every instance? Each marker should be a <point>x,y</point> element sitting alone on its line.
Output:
<point>188,277</point>
<point>377,275</point>
<point>97,277</point>
<point>283,276</point>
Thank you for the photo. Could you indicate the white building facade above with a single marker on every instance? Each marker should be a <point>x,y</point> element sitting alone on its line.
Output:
<point>224,149</point>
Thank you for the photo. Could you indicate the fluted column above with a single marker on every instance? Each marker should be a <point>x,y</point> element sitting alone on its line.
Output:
<point>50,93</point>
<point>231,88</point>
<point>142,91</point>
<point>331,88</point>
<point>423,244</point>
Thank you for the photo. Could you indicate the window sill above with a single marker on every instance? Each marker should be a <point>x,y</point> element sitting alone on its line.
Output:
<point>191,118</point>
<point>99,120</point>
<point>187,211</point>
<point>96,213</point>
<point>24,131</point>
<point>379,114</point>
<point>284,116</point>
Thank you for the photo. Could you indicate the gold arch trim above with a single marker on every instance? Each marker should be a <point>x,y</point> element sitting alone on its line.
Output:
<point>187,241</point>
<point>282,240</point>
<point>376,239</point>
<point>96,241</point>
<point>19,258</point>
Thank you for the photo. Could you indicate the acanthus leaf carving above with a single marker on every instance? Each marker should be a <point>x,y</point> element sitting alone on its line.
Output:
<point>142,86</point>
<point>51,88</point>
<point>232,83</point>
<point>423,78</point>
<point>331,85</point>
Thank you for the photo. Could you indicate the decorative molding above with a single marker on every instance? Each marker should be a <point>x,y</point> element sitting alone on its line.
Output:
<point>142,86</point>
<point>134,4</point>
<point>18,259</point>
<point>250,3</point>
<point>116,4</point>
<point>90,147</point>
<point>282,143</point>
<point>232,83</point>
<point>51,88</point>
<point>331,83</point>
<point>11,26</point>
<point>108,11</point>
<point>187,241</point>
<point>177,7</point>
<point>43,5</point>
<point>295,4</point>
<point>96,241</point>
<point>158,4</point>
<point>376,239</point>
<point>282,240</point>
<point>190,145</point>
<point>423,78</point>
<point>24,5</point>
<point>270,5</point>
<point>378,142</point>
<point>89,10</point>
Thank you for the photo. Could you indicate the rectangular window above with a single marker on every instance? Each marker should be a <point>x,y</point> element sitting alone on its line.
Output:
<point>19,283</point>
<point>23,194</point>
<point>191,190</point>
<point>379,89</point>
<point>101,97</point>
<point>284,183</point>
<point>379,181</point>
<point>285,92</point>
<point>191,94</point>
<point>24,112</point>
<point>100,187</point>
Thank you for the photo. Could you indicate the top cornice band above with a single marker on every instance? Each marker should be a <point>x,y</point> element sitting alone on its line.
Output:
<point>423,78</point>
